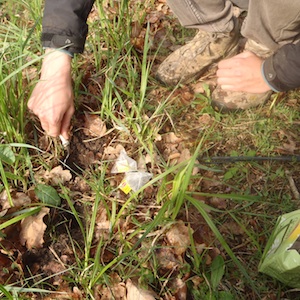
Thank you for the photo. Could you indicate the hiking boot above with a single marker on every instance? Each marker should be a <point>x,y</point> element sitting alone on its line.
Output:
<point>226,101</point>
<point>191,60</point>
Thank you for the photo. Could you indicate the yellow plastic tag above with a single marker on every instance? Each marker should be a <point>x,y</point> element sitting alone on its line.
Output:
<point>125,187</point>
<point>123,168</point>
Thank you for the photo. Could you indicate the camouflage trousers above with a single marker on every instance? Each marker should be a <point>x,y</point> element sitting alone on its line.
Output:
<point>271,23</point>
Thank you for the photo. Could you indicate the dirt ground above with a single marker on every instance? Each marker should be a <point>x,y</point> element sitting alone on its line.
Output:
<point>87,150</point>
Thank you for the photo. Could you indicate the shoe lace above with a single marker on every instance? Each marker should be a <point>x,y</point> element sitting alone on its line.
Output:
<point>208,38</point>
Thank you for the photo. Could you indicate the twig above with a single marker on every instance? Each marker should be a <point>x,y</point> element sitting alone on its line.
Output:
<point>293,186</point>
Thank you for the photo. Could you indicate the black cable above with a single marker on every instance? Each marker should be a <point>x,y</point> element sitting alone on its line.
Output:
<point>232,159</point>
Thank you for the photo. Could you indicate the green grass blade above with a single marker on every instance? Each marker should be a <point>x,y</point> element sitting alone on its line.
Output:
<point>221,239</point>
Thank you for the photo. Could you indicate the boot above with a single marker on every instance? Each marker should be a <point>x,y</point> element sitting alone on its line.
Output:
<point>226,101</point>
<point>191,60</point>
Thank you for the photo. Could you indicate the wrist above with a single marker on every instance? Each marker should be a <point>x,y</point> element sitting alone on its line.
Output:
<point>56,64</point>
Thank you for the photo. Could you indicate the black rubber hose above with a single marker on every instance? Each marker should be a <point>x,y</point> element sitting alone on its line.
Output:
<point>232,159</point>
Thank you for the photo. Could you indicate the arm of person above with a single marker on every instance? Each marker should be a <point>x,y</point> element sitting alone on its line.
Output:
<point>282,70</point>
<point>64,28</point>
<point>52,97</point>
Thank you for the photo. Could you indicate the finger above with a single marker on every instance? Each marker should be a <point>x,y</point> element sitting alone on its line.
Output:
<point>234,61</point>
<point>226,63</point>
<point>65,124</point>
<point>231,80</point>
<point>229,73</point>
<point>228,87</point>
<point>45,125</point>
<point>30,103</point>
<point>53,129</point>
<point>225,80</point>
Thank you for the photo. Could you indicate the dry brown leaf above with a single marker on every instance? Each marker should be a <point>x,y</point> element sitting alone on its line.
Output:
<point>116,289</point>
<point>184,155</point>
<point>161,6</point>
<point>289,147</point>
<point>53,267</point>
<point>32,230</point>
<point>136,29</point>
<point>117,292</point>
<point>94,126</point>
<point>198,87</point>
<point>212,182</point>
<point>111,153</point>
<point>166,258</point>
<point>136,293</point>
<point>157,138</point>
<point>205,120</point>
<point>65,293</point>
<point>179,237</point>
<point>231,227</point>
<point>219,203</point>
<point>103,225</point>
<point>180,289</point>
<point>18,199</point>
<point>102,230</point>
<point>174,156</point>
<point>58,175</point>
<point>172,138</point>
<point>289,144</point>
<point>144,160</point>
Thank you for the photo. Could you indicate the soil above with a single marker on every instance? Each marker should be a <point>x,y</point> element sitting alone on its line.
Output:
<point>87,153</point>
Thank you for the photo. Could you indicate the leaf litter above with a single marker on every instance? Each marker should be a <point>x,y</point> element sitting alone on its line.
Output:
<point>33,229</point>
<point>29,243</point>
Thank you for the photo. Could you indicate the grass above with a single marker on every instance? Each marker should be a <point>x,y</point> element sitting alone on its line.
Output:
<point>221,260</point>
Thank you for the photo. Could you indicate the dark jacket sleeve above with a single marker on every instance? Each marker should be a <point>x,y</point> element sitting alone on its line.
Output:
<point>64,24</point>
<point>282,70</point>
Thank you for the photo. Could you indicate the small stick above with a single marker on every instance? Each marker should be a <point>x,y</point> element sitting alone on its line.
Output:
<point>292,185</point>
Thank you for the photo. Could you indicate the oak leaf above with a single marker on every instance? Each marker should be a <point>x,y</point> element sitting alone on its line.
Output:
<point>94,126</point>
<point>134,292</point>
<point>179,237</point>
<point>32,230</point>
<point>58,175</point>
<point>19,199</point>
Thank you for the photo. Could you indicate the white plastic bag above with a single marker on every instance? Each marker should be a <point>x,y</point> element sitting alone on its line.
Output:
<point>134,179</point>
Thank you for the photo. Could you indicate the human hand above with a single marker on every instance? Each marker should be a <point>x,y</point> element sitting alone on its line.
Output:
<point>52,99</point>
<point>242,73</point>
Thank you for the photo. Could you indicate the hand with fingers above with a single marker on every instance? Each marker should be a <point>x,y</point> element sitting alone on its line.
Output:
<point>52,99</point>
<point>242,73</point>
